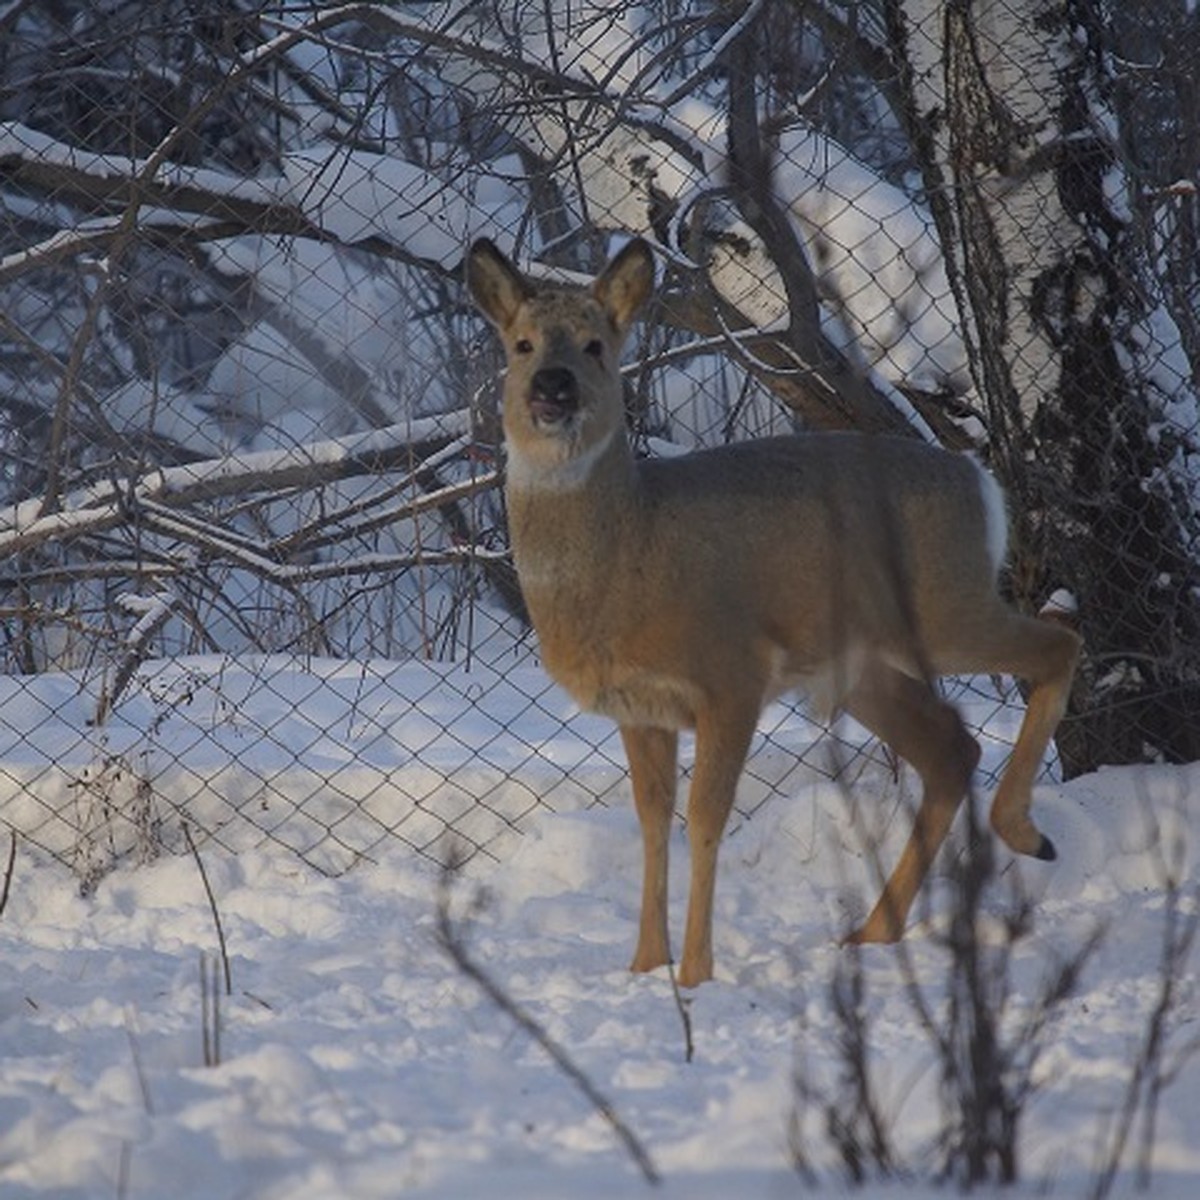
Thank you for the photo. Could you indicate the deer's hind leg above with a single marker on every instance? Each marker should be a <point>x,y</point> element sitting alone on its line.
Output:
<point>928,733</point>
<point>1043,652</point>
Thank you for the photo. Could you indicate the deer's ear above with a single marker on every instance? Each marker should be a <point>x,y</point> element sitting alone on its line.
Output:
<point>496,286</point>
<point>624,285</point>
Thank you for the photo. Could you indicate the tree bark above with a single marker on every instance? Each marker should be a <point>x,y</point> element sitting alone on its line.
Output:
<point>1002,99</point>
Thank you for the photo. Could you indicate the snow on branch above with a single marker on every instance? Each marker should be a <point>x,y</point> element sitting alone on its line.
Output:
<point>106,505</point>
<point>355,195</point>
<point>152,614</point>
<point>33,159</point>
<point>325,193</point>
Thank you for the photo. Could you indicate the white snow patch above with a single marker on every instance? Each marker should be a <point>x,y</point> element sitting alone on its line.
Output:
<point>358,1062</point>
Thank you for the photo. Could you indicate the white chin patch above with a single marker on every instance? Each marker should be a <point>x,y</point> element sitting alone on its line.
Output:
<point>561,426</point>
<point>557,467</point>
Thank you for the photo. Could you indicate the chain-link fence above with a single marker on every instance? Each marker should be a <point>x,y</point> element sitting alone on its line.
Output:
<point>253,571</point>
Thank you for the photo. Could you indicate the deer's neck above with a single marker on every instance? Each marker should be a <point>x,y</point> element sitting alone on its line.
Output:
<point>570,524</point>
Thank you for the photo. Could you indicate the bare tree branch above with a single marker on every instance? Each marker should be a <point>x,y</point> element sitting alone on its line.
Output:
<point>105,505</point>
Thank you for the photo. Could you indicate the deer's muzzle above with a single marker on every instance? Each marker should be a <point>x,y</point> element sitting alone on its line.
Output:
<point>553,395</point>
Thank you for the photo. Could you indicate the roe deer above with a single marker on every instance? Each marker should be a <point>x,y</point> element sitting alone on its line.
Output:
<point>688,592</point>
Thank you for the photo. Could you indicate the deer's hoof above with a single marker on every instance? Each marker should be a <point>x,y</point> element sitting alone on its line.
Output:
<point>1046,851</point>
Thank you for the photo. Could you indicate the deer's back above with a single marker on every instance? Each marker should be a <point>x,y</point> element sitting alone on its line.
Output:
<point>824,512</point>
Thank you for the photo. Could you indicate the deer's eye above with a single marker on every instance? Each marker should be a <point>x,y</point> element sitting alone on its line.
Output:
<point>523,346</point>
<point>594,348</point>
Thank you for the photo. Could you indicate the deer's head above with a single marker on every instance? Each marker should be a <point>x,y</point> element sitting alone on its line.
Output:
<point>562,344</point>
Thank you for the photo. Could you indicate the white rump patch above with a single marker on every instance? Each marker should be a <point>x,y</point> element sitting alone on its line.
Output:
<point>1061,604</point>
<point>995,514</point>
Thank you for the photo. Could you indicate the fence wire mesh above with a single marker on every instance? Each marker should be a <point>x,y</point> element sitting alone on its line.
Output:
<point>254,570</point>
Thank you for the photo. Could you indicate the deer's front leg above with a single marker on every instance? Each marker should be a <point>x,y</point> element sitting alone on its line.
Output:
<point>652,755</point>
<point>722,743</point>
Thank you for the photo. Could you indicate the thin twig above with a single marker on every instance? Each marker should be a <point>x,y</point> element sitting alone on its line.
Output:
<point>205,1040</point>
<point>153,616</point>
<point>136,1055</point>
<point>8,871</point>
<point>452,942</point>
<point>212,904</point>
<point>685,1014</point>
<point>215,992</point>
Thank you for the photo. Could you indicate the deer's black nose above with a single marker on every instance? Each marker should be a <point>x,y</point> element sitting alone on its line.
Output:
<point>553,394</point>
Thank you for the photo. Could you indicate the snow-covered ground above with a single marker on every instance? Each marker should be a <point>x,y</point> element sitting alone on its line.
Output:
<point>357,1060</point>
